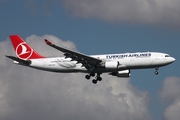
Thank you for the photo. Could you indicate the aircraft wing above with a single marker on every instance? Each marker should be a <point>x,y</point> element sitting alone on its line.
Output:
<point>85,60</point>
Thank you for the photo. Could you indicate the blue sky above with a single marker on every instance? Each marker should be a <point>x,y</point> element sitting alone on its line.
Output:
<point>97,35</point>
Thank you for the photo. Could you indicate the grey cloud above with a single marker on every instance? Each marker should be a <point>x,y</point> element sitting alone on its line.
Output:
<point>170,94</point>
<point>151,12</point>
<point>41,47</point>
<point>26,93</point>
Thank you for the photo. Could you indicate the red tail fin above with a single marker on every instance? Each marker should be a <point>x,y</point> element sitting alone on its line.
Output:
<point>22,49</point>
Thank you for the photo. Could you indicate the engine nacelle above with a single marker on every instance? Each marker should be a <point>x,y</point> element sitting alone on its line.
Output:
<point>112,65</point>
<point>122,73</point>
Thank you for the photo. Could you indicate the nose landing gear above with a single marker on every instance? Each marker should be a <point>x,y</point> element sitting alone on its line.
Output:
<point>156,71</point>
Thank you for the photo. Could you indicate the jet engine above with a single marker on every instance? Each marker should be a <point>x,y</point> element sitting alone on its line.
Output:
<point>122,73</point>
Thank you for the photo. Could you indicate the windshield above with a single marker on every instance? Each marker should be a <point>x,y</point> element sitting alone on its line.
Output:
<point>167,55</point>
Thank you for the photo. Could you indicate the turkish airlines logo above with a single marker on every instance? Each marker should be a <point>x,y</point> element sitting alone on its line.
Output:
<point>23,51</point>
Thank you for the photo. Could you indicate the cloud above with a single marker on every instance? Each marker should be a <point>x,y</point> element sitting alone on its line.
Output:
<point>26,93</point>
<point>150,12</point>
<point>170,94</point>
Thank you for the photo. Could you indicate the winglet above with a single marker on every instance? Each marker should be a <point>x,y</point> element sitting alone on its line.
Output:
<point>48,42</point>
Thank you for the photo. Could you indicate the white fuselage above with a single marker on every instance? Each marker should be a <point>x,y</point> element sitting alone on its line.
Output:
<point>137,60</point>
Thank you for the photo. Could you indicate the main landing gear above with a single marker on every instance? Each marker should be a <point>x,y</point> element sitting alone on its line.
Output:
<point>156,71</point>
<point>97,78</point>
<point>89,76</point>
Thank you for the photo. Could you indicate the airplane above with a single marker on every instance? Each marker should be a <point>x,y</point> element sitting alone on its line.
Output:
<point>118,65</point>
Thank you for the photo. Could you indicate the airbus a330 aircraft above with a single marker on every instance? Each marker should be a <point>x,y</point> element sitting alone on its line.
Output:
<point>94,65</point>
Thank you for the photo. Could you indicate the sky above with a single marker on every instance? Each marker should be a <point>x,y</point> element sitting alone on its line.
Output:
<point>90,27</point>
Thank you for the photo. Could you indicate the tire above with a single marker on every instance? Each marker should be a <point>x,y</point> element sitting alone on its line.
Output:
<point>92,74</point>
<point>87,77</point>
<point>156,72</point>
<point>94,81</point>
<point>99,78</point>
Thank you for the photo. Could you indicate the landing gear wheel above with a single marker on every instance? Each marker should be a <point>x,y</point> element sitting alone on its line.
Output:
<point>156,72</point>
<point>99,78</point>
<point>87,77</point>
<point>94,81</point>
<point>92,74</point>
<point>157,68</point>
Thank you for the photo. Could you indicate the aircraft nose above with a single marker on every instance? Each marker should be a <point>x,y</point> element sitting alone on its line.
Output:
<point>172,59</point>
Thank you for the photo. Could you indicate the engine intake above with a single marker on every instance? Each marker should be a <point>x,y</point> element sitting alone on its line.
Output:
<point>122,73</point>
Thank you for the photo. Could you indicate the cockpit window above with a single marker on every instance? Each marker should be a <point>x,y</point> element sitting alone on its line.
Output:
<point>167,55</point>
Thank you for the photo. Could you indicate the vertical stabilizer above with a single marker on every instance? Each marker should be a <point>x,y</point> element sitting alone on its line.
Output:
<point>22,49</point>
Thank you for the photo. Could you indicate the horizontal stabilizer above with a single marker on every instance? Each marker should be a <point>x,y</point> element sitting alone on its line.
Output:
<point>24,62</point>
